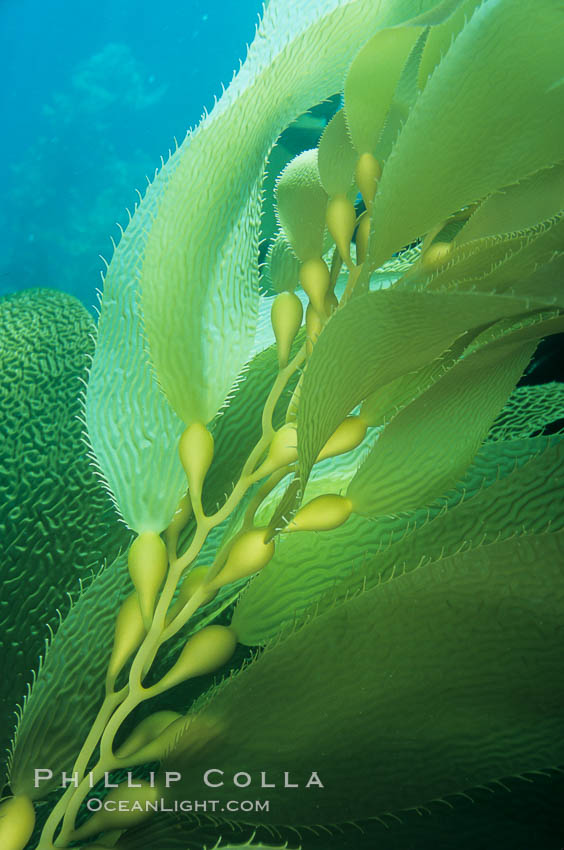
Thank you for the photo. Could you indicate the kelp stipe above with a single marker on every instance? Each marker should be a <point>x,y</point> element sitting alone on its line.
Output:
<point>382,481</point>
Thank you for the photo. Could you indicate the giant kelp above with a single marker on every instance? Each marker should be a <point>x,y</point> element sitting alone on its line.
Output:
<point>400,502</point>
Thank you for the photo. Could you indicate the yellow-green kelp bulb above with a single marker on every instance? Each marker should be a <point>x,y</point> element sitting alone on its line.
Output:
<point>321,514</point>
<point>193,582</point>
<point>341,221</point>
<point>196,454</point>
<point>315,278</point>
<point>180,519</point>
<point>347,436</point>
<point>368,172</point>
<point>337,157</point>
<point>129,632</point>
<point>147,563</point>
<point>436,255</point>
<point>138,804</point>
<point>146,731</point>
<point>282,265</point>
<point>17,820</point>
<point>286,316</point>
<point>248,554</point>
<point>301,203</point>
<point>283,449</point>
<point>204,652</point>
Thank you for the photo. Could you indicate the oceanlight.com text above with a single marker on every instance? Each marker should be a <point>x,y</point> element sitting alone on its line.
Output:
<point>95,805</point>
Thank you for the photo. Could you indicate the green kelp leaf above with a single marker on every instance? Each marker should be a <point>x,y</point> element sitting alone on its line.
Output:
<point>376,81</point>
<point>405,95</point>
<point>440,164</point>
<point>132,429</point>
<point>336,156</point>
<point>371,83</point>
<point>199,279</point>
<point>282,265</point>
<point>519,207</point>
<point>70,685</point>
<point>56,519</point>
<point>441,36</point>
<point>527,500</point>
<point>432,441</point>
<point>375,339</point>
<point>523,263</point>
<point>301,202</point>
<point>396,697</point>
<point>383,404</point>
<point>511,488</point>
<point>528,411</point>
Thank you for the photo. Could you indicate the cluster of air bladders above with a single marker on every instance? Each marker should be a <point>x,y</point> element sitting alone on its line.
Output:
<point>154,612</point>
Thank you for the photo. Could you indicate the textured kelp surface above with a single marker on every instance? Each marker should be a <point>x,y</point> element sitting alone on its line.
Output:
<point>436,687</point>
<point>517,485</point>
<point>56,520</point>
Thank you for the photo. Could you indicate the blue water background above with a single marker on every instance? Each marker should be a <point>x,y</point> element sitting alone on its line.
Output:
<point>93,93</point>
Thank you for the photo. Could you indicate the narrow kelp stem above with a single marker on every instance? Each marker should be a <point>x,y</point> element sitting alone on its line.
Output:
<point>118,706</point>
<point>110,703</point>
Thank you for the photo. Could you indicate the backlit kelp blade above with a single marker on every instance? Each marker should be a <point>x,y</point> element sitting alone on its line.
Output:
<point>518,207</point>
<point>513,487</point>
<point>526,262</point>
<point>199,278</point>
<point>132,429</point>
<point>452,163</point>
<point>444,429</point>
<point>442,711</point>
<point>375,339</point>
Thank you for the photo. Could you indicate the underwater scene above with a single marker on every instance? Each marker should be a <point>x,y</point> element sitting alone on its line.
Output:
<point>282,494</point>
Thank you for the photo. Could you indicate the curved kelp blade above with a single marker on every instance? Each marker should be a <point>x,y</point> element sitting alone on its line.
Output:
<point>517,208</point>
<point>441,36</point>
<point>401,695</point>
<point>530,500</point>
<point>375,339</point>
<point>512,488</point>
<point>439,165</point>
<point>430,443</point>
<point>69,689</point>
<point>376,86</point>
<point>371,83</point>
<point>200,270</point>
<point>132,429</point>
<point>521,263</point>
<point>336,157</point>
<point>56,520</point>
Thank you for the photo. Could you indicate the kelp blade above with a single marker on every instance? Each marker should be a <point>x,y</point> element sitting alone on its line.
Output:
<point>442,679</point>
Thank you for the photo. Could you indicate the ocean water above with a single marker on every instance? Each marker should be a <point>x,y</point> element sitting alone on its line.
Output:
<point>94,94</point>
